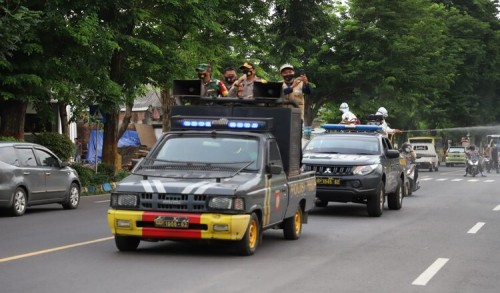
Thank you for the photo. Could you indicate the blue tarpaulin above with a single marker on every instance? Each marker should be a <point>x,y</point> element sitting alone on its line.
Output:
<point>129,138</point>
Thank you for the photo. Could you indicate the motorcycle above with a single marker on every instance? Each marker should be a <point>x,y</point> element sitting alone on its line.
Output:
<point>411,173</point>
<point>473,167</point>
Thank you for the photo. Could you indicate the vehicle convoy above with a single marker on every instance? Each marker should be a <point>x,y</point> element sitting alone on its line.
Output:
<point>228,170</point>
<point>427,158</point>
<point>438,143</point>
<point>31,174</point>
<point>356,164</point>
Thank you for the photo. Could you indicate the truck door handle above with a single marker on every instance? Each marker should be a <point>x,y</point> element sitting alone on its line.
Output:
<point>48,173</point>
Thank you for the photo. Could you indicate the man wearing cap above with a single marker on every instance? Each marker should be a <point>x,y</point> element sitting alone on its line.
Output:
<point>294,88</point>
<point>230,76</point>
<point>243,87</point>
<point>210,87</point>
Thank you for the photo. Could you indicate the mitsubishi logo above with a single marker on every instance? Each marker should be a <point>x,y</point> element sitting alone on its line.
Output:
<point>328,171</point>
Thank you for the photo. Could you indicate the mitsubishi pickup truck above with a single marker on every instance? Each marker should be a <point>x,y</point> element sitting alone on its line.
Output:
<point>356,163</point>
<point>223,172</point>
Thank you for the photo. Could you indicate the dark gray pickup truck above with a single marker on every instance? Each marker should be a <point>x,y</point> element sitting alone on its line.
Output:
<point>356,166</point>
<point>221,173</point>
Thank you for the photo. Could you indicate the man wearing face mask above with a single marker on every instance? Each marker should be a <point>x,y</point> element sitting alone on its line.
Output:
<point>243,87</point>
<point>294,88</point>
<point>230,76</point>
<point>210,87</point>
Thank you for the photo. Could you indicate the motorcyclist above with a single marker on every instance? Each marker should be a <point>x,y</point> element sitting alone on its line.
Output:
<point>473,154</point>
<point>410,157</point>
<point>347,116</point>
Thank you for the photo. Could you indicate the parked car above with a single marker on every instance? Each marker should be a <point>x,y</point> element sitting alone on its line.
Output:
<point>31,174</point>
<point>455,155</point>
<point>427,157</point>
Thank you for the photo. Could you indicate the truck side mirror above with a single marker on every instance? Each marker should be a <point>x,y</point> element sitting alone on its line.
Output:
<point>274,169</point>
<point>393,154</point>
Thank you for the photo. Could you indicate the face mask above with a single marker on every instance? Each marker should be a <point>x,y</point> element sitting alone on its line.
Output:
<point>288,77</point>
<point>201,75</point>
<point>230,79</point>
<point>247,72</point>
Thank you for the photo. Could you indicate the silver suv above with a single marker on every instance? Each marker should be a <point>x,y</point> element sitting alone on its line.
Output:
<point>31,174</point>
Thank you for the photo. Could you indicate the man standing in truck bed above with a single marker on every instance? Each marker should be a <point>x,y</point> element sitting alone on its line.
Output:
<point>210,87</point>
<point>243,87</point>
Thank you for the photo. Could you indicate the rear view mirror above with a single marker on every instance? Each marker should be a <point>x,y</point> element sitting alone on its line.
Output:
<point>392,154</point>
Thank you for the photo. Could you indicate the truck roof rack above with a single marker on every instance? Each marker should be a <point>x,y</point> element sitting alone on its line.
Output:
<point>264,94</point>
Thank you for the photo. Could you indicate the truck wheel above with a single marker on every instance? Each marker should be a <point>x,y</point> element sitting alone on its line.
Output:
<point>19,202</point>
<point>395,200</point>
<point>431,168</point>
<point>73,199</point>
<point>292,227</point>
<point>127,243</point>
<point>248,244</point>
<point>375,204</point>
<point>436,168</point>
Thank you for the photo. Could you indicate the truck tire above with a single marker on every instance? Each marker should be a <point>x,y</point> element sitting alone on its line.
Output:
<point>292,227</point>
<point>395,200</point>
<point>375,204</point>
<point>127,243</point>
<point>248,244</point>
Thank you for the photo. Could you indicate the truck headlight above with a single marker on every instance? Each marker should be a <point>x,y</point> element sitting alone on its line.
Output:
<point>226,203</point>
<point>364,170</point>
<point>124,200</point>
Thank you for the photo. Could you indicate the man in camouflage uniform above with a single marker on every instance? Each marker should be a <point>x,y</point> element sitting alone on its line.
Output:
<point>210,87</point>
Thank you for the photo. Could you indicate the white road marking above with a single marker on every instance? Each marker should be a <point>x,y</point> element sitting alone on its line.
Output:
<point>442,179</point>
<point>472,180</point>
<point>456,180</point>
<point>489,180</point>
<point>428,274</point>
<point>102,201</point>
<point>19,256</point>
<point>476,228</point>
<point>497,208</point>
<point>426,179</point>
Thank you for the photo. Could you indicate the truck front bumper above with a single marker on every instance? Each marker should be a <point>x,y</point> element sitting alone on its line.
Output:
<point>151,225</point>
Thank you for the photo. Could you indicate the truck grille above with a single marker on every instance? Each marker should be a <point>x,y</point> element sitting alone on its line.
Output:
<point>330,170</point>
<point>173,202</point>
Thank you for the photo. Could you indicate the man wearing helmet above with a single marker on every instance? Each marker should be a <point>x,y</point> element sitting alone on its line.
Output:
<point>383,112</point>
<point>347,116</point>
<point>473,154</point>
<point>410,156</point>
<point>294,88</point>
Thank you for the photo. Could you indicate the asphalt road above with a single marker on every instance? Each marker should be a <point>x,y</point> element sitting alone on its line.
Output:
<point>444,239</point>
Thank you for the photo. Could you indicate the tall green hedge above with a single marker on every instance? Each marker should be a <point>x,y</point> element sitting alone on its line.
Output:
<point>61,145</point>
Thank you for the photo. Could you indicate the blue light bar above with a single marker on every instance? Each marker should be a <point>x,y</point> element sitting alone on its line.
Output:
<point>246,124</point>
<point>197,123</point>
<point>347,127</point>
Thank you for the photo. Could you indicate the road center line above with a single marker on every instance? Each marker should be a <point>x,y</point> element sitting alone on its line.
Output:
<point>16,257</point>
<point>476,228</point>
<point>428,274</point>
<point>497,208</point>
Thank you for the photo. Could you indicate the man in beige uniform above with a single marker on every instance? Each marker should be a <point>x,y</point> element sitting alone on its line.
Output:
<point>294,88</point>
<point>243,87</point>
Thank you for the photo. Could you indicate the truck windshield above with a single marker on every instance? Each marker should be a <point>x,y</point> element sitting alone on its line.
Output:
<point>210,149</point>
<point>343,145</point>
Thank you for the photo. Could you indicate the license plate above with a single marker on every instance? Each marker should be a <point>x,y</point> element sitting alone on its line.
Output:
<point>172,222</point>
<point>328,181</point>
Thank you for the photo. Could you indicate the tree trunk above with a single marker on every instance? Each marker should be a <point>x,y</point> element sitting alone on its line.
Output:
<point>110,142</point>
<point>167,102</point>
<point>12,116</point>
<point>126,119</point>
<point>64,119</point>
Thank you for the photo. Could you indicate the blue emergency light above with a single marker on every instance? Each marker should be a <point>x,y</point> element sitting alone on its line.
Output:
<point>348,127</point>
<point>249,124</point>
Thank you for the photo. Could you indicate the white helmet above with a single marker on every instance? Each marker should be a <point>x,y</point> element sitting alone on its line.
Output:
<point>344,107</point>
<point>382,111</point>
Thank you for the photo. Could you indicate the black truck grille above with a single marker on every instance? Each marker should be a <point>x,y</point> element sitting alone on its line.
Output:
<point>173,202</point>
<point>330,170</point>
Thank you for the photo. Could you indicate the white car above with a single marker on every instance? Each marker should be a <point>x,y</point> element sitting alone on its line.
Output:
<point>427,157</point>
